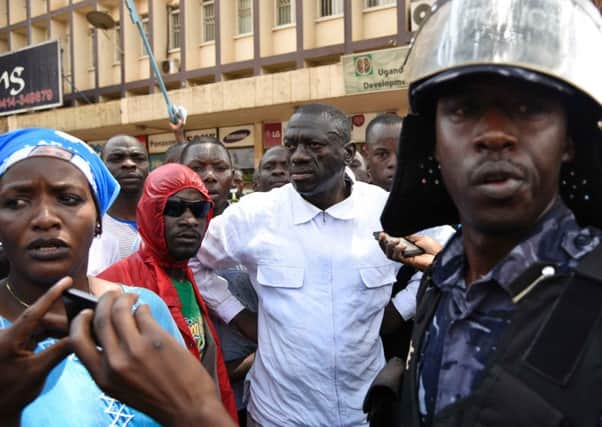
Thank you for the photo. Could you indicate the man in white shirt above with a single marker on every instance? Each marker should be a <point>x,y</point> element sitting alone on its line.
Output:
<point>321,279</point>
<point>127,160</point>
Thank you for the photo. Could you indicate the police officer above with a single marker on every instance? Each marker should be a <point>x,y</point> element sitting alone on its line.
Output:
<point>506,100</point>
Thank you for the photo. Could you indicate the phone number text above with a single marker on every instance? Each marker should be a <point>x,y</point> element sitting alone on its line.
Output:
<point>27,99</point>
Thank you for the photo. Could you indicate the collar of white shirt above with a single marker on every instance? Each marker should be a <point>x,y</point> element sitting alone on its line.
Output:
<point>303,211</point>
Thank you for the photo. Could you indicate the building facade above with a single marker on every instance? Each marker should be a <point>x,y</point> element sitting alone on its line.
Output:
<point>237,66</point>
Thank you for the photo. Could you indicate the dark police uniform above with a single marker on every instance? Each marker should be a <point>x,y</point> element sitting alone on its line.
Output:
<point>521,347</point>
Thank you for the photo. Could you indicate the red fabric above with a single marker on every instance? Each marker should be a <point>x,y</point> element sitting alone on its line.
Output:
<point>160,185</point>
<point>146,268</point>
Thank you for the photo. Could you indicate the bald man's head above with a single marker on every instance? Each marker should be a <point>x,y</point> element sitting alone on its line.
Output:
<point>127,160</point>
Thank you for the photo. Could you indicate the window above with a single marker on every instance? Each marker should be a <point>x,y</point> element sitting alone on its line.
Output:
<point>174,28</point>
<point>284,12</point>
<point>208,20</point>
<point>330,7</point>
<point>245,16</point>
<point>144,20</point>
<point>376,3</point>
<point>117,43</point>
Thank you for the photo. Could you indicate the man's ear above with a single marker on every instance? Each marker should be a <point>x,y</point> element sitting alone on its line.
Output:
<point>349,152</point>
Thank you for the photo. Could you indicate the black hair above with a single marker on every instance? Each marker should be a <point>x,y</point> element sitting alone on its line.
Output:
<point>276,148</point>
<point>387,119</point>
<point>204,139</point>
<point>173,154</point>
<point>338,119</point>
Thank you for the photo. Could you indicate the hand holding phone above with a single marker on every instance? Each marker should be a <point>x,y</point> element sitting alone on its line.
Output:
<point>410,250</point>
<point>419,254</point>
<point>76,301</point>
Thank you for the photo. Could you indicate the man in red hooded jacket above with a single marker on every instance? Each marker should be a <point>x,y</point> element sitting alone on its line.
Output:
<point>172,216</point>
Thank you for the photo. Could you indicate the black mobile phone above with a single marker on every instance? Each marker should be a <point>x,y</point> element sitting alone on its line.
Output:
<point>411,248</point>
<point>76,301</point>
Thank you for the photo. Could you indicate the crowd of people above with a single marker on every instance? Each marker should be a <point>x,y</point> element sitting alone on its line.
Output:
<point>299,304</point>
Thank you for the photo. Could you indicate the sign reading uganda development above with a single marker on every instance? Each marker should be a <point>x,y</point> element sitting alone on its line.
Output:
<point>375,71</point>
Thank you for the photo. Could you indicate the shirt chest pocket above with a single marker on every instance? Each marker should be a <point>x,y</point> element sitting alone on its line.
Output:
<point>276,276</point>
<point>375,286</point>
<point>378,276</point>
<point>281,293</point>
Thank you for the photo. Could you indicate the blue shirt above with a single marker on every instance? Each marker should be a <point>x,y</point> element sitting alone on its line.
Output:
<point>71,398</point>
<point>467,323</point>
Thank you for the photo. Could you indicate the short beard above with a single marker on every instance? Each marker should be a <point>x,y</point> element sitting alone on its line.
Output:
<point>184,253</point>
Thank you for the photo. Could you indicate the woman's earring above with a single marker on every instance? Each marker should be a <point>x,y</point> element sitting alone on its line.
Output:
<point>97,229</point>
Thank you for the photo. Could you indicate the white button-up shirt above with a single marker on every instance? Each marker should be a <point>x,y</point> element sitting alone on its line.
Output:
<point>322,283</point>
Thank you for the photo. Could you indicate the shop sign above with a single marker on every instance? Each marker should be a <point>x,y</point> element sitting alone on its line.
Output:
<point>30,79</point>
<point>237,136</point>
<point>272,134</point>
<point>201,132</point>
<point>160,143</point>
<point>359,123</point>
<point>375,71</point>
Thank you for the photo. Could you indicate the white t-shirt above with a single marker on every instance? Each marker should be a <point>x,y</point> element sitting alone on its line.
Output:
<point>119,239</point>
<point>102,254</point>
<point>124,232</point>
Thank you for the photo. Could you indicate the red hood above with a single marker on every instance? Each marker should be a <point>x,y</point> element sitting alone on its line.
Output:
<point>161,184</point>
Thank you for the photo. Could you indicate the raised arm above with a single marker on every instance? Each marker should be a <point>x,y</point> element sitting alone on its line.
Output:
<point>178,130</point>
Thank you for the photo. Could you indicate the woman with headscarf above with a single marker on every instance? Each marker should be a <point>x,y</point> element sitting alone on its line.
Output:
<point>53,191</point>
<point>172,215</point>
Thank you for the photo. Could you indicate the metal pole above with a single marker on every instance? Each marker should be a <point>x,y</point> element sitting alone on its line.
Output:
<point>171,110</point>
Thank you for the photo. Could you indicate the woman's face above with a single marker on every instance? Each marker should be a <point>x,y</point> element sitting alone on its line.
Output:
<point>47,219</point>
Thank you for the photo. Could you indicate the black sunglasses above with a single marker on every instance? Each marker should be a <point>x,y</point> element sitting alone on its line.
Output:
<point>176,207</point>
